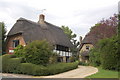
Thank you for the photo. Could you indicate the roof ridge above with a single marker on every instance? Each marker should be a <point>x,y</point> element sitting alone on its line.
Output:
<point>23,19</point>
<point>52,25</point>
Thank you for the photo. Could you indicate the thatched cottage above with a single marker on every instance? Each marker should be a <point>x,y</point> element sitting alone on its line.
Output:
<point>25,31</point>
<point>85,45</point>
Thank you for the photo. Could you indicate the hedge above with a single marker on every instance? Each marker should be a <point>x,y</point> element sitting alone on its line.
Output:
<point>15,65</point>
<point>10,63</point>
<point>39,70</point>
<point>61,67</point>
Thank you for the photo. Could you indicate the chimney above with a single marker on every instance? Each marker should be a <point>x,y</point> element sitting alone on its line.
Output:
<point>41,19</point>
<point>80,40</point>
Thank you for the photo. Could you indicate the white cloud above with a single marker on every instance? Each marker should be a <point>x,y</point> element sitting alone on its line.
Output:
<point>79,15</point>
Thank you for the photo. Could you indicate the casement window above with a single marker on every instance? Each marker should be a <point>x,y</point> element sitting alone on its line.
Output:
<point>62,48</point>
<point>15,43</point>
<point>87,48</point>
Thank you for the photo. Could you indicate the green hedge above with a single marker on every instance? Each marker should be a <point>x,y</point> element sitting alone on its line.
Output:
<point>10,63</point>
<point>39,70</point>
<point>106,54</point>
<point>15,65</point>
<point>61,67</point>
<point>94,57</point>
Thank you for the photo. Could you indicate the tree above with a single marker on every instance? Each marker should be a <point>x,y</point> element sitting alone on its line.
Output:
<point>68,32</point>
<point>104,29</point>
<point>72,37</point>
<point>118,35</point>
<point>3,35</point>
<point>106,53</point>
<point>38,52</point>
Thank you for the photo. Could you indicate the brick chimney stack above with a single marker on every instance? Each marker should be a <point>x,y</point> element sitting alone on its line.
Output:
<point>41,19</point>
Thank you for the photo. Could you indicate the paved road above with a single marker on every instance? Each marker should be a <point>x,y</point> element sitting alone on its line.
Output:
<point>80,72</point>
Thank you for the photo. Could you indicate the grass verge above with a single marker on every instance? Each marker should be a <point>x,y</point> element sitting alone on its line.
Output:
<point>104,74</point>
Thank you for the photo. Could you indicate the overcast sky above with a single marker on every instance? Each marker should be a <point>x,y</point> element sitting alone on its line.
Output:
<point>79,15</point>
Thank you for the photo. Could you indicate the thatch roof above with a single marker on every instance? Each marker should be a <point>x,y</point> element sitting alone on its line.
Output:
<point>36,31</point>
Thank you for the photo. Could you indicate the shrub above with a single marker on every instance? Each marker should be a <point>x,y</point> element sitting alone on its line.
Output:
<point>9,63</point>
<point>26,68</point>
<point>0,64</point>
<point>5,59</point>
<point>94,57</point>
<point>83,63</point>
<point>72,59</point>
<point>109,55</point>
<point>106,54</point>
<point>38,52</point>
<point>53,58</point>
<point>13,63</point>
<point>39,70</point>
<point>19,51</point>
<point>61,67</point>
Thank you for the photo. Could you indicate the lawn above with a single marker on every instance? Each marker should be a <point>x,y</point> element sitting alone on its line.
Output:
<point>104,74</point>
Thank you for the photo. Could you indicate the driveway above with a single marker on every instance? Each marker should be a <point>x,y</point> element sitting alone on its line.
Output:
<point>80,72</point>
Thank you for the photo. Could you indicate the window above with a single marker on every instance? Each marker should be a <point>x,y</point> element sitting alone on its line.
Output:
<point>62,48</point>
<point>87,47</point>
<point>15,43</point>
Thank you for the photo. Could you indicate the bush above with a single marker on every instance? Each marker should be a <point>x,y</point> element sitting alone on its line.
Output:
<point>106,54</point>
<point>39,70</point>
<point>0,64</point>
<point>53,58</point>
<point>61,67</point>
<point>26,68</point>
<point>109,55</point>
<point>94,57</point>
<point>38,52</point>
<point>19,51</point>
<point>5,59</point>
<point>10,63</point>
<point>13,63</point>
<point>83,64</point>
<point>72,59</point>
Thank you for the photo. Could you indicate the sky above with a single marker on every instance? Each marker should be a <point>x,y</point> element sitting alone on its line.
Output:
<point>78,15</point>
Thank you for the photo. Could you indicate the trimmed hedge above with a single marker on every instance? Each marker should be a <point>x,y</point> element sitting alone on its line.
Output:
<point>5,62</point>
<point>10,64</point>
<point>39,70</point>
<point>15,65</point>
<point>61,67</point>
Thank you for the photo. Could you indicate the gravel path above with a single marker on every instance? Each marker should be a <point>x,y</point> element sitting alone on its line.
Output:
<point>80,72</point>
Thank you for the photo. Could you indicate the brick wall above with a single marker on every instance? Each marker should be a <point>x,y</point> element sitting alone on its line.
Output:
<point>10,41</point>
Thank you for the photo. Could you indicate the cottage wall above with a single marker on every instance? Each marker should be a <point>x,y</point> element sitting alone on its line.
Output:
<point>10,41</point>
<point>84,47</point>
<point>83,58</point>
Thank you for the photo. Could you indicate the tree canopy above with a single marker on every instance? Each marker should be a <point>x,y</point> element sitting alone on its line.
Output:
<point>68,32</point>
<point>72,37</point>
<point>104,29</point>
<point>2,35</point>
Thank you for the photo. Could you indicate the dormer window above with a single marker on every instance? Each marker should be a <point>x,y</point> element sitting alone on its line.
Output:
<point>87,48</point>
<point>15,43</point>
